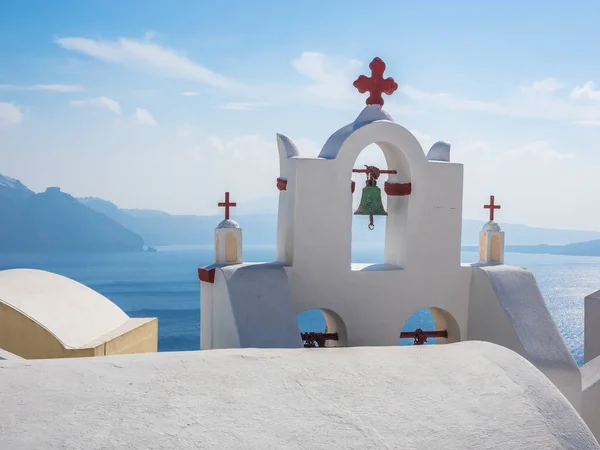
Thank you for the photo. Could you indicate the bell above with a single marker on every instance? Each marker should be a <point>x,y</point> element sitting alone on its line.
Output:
<point>371,203</point>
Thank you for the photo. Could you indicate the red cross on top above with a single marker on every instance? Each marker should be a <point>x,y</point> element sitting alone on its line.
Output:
<point>227,204</point>
<point>376,84</point>
<point>492,207</point>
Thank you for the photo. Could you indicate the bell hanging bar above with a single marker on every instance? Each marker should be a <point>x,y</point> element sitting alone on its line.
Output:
<point>370,202</point>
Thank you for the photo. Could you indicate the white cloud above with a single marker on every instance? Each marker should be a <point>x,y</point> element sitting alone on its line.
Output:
<point>588,91</point>
<point>327,82</point>
<point>449,101</point>
<point>101,102</point>
<point>241,106</point>
<point>233,156</point>
<point>540,151</point>
<point>331,79</point>
<point>9,114</point>
<point>548,85</point>
<point>536,101</point>
<point>143,117</point>
<point>63,88</point>
<point>145,55</point>
<point>425,140</point>
<point>588,123</point>
<point>190,94</point>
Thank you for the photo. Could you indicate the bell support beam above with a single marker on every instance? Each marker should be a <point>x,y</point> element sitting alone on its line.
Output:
<point>312,339</point>
<point>420,336</point>
<point>393,172</point>
<point>391,189</point>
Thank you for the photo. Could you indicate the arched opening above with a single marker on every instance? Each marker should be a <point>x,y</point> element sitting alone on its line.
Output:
<point>322,328</point>
<point>368,246</point>
<point>436,325</point>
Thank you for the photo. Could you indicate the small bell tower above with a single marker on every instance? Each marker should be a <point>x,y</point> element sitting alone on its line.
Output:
<point>228,237</point>
<point>491,239</point>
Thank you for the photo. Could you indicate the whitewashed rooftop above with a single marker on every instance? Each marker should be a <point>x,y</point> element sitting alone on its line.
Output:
<point>468,395</point>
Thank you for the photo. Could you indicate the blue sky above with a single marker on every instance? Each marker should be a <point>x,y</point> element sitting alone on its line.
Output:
<point>167,104</point>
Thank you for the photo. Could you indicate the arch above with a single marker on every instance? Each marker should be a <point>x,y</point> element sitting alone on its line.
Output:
<point>432,318</point>
<point>323,320</point>
<point>368,246</point>
<point>401,149</point>
<point>404,154</point>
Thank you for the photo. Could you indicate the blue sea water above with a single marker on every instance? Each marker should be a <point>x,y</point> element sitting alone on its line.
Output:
<point>165,285</point>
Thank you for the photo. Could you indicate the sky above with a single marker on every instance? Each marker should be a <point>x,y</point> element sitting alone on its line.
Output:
<point>166,105</point>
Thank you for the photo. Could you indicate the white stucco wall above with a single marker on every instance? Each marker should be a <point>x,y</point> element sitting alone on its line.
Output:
<point>423,235</point>
<point>287,151</point>
<point>507,308</point>
<point>466,396</point>
<point>249,305</point>
<point>53,301</point>
<point>591,348</point>
<point>590,385</point>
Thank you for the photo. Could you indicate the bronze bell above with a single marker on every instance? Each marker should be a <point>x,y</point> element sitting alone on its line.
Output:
<point>371,203</point>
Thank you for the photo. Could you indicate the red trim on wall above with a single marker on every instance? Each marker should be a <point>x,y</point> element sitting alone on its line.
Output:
<point>397,188</point>
<point>352,186</point>
<point>281,184</point>
<point>206,275</point>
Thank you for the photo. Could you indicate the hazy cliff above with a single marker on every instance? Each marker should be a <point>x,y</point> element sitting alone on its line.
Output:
<point>54,221</point>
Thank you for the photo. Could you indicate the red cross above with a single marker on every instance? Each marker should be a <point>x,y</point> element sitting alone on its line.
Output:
<point>227,204</point>
<point>492,206</point>
<point>376,84</point>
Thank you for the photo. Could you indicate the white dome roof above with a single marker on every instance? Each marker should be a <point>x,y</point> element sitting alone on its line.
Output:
<point>491,226</point>
<point>440,151</point>
<point>70,311</point>
<point>228,223</point>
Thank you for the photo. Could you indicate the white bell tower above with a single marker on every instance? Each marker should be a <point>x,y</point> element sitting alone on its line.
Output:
<point>228,237</point>
<point>491,239</point>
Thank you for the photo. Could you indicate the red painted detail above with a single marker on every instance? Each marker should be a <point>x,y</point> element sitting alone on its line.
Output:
<point>227,204</point>
<point>281,184</point>
<point>376,84</point>
<point>206,275</point>
<point>352,186</point>
<point>397,189</point>
<point>492,206</point>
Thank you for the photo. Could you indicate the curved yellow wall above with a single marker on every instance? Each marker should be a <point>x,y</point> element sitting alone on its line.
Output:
<point>26,338</point>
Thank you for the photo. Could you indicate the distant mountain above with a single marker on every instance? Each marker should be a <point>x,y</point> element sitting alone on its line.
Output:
<point>160,228</point>
<point>587,248</point>
<point>525,235</point>
<point>54,221</point>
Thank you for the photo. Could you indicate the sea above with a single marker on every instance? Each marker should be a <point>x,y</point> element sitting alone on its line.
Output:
<point>165,285</point>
